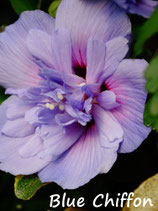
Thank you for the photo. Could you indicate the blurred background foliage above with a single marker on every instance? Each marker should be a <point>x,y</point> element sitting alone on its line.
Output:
<point>130,170</point>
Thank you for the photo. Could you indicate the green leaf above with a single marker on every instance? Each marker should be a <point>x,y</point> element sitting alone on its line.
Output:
<point>154,105</point>
<point>25,187</point>
<point>22,5</point>
<point>151,110</point>
<point>151,75</point>
<point>3,97</point>
<point>147,30</point>
<point>53,8</point>
<point>149,119</point>
<point>2,28</point>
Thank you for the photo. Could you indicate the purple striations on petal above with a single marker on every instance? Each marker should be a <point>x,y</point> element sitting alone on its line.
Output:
<point>96,19</point>
<point>128,84</point>
<point>82,162</point>
<point>13,47</point>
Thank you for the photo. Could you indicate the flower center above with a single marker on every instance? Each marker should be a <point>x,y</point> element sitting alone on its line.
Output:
<point>103,87</point>
<point>71,101</point>
<point>62,97</point>
<point>80,71</point>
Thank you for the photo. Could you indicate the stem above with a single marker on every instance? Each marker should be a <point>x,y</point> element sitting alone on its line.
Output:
<point>39,4</point>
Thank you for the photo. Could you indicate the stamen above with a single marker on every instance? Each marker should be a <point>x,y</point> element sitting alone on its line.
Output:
<point>47,105</point>
<point>50,106</point>
<point>60,96</point>
<point>61,107</point>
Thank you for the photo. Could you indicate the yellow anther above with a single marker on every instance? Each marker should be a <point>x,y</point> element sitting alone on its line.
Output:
<point>50,106</point>
<point>60,96</point>
<point>47,105</point>
<point>61,107</point>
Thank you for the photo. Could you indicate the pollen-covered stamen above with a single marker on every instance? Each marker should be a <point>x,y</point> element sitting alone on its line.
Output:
<point>61,107</point>
<point>51,106</point>
<point>60,96</point>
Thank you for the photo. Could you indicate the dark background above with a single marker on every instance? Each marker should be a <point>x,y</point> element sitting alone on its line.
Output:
<point>128,172</point>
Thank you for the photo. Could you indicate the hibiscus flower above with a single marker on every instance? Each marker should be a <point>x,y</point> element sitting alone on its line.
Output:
<point>75,101</point>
